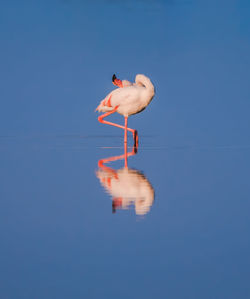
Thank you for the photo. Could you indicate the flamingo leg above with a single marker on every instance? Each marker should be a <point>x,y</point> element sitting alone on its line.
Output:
<point>125,155</point>
<point>125,129</point>
<point>135,135</point>
<point>115,158</point>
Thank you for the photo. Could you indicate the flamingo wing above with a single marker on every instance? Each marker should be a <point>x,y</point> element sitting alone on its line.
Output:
<point>120,97</point>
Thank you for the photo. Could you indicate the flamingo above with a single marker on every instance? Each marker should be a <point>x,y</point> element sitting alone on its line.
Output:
<point>128,99</point>
<point>127,186</point>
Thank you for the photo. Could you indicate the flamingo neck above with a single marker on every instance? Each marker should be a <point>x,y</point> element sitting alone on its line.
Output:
<point>145,81</point>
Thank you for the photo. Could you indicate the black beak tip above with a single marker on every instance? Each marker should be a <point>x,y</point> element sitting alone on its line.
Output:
<point>113,78</point>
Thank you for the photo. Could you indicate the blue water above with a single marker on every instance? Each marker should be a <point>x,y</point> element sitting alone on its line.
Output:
<point>64,232</point>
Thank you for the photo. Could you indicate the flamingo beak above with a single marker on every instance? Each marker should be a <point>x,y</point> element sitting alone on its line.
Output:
<point>116,203</point>
<point>117,82</point>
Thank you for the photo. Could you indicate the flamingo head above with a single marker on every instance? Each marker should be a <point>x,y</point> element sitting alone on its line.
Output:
<point>117,82</point>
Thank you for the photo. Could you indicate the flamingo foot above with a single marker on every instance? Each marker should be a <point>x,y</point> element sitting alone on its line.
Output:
<point>135,150</point>
<point>136,139</point>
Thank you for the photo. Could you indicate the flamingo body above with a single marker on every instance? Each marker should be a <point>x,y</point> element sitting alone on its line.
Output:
<point>131,98</point>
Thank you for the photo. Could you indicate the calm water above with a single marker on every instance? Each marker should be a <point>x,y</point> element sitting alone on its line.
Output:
<point>189,238</point>
<point>75,222</point>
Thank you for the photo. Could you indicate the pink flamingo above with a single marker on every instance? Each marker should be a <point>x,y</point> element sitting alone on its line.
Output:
<point>127,186</point>
<point>131,98</point>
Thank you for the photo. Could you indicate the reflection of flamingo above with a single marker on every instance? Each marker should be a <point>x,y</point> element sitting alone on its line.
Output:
<point>129,100</point>
<point>126,186</point>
